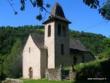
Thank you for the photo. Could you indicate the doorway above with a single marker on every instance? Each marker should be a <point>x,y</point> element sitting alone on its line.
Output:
<point>30,73</point>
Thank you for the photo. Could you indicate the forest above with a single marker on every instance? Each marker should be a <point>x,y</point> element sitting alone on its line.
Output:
<point>13,39</point>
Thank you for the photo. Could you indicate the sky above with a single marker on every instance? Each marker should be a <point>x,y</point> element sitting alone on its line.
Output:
<point>82,17</point>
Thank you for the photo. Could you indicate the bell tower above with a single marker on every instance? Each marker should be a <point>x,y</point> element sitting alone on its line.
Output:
<point>57,37</point>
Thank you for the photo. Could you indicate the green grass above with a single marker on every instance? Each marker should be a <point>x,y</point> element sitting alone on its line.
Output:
<point>65,81</point>
<point>46,81</point>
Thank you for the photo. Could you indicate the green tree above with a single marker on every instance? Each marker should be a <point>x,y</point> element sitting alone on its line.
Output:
<point>12,64</point>
<point>106,52</point>
<point>106,42</point>
<point>12,41</point>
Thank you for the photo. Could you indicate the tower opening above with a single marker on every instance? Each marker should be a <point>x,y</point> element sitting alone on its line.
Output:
<point>49,30</point>
<point>62,49</point>
<point>64,30</point>
<point>59,29</point>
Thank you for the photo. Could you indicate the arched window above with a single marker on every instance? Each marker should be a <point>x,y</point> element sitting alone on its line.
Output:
<point>59,29</point>
<point>49,30</point>
<point>62,49</point>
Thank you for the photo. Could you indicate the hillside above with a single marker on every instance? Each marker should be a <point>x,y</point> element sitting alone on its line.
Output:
<point>12,41</point>
<point>8,36</point>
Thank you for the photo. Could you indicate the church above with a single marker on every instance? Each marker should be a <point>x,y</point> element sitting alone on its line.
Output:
<point>45,55</point>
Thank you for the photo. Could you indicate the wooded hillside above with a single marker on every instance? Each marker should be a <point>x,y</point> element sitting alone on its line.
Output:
<point>12,41</point>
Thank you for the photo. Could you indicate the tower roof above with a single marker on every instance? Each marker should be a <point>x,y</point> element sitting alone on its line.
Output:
<point>57,11</point>
<point>56,14</point>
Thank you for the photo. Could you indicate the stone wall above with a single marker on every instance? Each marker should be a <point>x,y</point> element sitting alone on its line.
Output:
<point>53,74</point>
<point>72,74</point>
<point>60,74</point>
<point>8,80</point>
<point>43,62</point>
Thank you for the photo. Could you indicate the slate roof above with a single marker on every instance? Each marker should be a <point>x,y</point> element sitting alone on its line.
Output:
<point>74,44</point>
<point>57,11</point>
<point>77,45</point>
<point>56,14</point>
<point>38,40</point>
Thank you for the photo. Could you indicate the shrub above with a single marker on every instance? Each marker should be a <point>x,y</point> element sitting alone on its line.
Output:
<point>92,69</point>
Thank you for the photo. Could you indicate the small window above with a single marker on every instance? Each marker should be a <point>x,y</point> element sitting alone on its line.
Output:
<point>64,30</point>
<point>62,49</point>
<point>59,29</point>
<point>49,31</point>
<point>29,49</point>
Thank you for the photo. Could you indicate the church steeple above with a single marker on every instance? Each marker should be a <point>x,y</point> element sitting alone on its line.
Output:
<point>57,14</point>
<point>56,37</point>
<point>57,11</point>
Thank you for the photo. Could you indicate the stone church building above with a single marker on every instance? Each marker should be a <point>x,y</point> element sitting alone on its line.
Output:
<point>45,55</point>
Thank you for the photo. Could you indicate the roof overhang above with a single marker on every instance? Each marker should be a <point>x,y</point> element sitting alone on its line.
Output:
<point>56,18</point>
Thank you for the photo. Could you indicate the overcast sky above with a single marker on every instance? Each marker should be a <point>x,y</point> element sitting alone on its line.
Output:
<point>82,17</point>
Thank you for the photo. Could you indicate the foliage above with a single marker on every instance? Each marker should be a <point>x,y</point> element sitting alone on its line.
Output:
<point>98,67</point>
<point>36,3</point>
<point>13,39</point>
<point>92,3</point>
<point>104,10</point>
<point>12,63</point>
<point>95,64</point>
<point>106,42</point>
<point>105,54</point>
<point>80,66</point>
<point>94,69</point>
<point>97,41</point>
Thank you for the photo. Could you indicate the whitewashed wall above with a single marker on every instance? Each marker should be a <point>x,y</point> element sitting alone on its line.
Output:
<point>31,59</point>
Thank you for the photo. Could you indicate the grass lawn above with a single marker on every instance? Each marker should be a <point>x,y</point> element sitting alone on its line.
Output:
<point>45,81</point>
<point>65,81</point>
